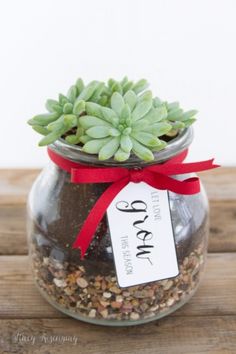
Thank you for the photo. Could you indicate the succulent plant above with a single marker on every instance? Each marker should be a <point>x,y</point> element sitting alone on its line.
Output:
<point>112,120</point>
<point>132,124</point>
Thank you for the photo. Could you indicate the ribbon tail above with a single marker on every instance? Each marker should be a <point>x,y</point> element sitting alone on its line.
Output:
<point>87,232</point>
<point>192,167</point>
<point>160,181</point>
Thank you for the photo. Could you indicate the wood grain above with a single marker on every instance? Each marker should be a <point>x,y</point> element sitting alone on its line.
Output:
<point>172,335</point>
<point>19,297</point>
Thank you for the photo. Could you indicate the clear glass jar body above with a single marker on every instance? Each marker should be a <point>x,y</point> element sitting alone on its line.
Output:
<point>87,289</point>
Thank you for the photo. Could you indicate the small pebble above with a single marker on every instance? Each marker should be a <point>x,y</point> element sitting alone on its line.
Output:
<point>45,261</point>
<point>107,295</point>
<point>104,303</point>
<point>115,290</point>
<point>119,298</point>
<point>170,301</point>
<point>82,282</point>
<point>134,316</point>
<point>60,283</point>
<point>92,313</point>
<point>68,291</point>
<point>116,304</point>
<point>154,308</point>
<point>104,313</point>
<point>168,285</point>
<point>127,308</point>
<point>126,293</point>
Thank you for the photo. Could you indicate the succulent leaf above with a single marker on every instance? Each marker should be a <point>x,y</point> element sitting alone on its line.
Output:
<point>79,107</point>
<point>43,119</point>
<point>131,99</point>
<point>91,121</point>
<point>53,106</point>
<point>117,103</point>
<point>40,129</point>
<point>72,94</point>
<point>145,138</point>
<point>98,132</point>
<point>68,108</point>
<point>85,138</point>
<point>121,155</point>
<point>161,145</point>
<point>109,115</point>
<point>88,91</point>
<point>189,114</point>
<point>175,114</point>
<point>125,113</point>
<point>126,143</point>
<point>93,109</point>
<point>158,129</point>
<point>140,86</point>
<point>62,99</point>
<point>94,146</point>
<point>141,151</point>
<point>80,85</point>
<point>109,149</point>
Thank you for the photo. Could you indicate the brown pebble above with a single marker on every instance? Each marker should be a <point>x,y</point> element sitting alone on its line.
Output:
<point>126,308</point>
<point>126,293</point>
<point>104,303</point>
<point>97,284</point>
<point>119,298</point>
<point>144,307</point>
<point>135,302</point>
<point>69,291</point>
<point>103,284</point>
<point>116,304</point>
<point>140,294</point>
<point>168,285</point>
<point>104,313</point>
<point>115,290</point>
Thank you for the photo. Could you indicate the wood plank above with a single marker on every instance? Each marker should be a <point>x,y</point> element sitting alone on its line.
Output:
<point>220,183</point>
<point>172,335</point>
<point>13,239</point>
<point>15,183</point>
<point>20,299</point>
<point>222,229</point>
<point>222,226</point>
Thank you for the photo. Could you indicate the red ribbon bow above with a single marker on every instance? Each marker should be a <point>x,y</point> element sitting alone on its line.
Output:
<point>157,176</point>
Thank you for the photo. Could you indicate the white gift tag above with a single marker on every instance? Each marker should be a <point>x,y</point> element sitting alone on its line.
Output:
<point>142,235</point>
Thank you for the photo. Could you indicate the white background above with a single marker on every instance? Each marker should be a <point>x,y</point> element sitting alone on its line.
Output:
<point>185,48</point>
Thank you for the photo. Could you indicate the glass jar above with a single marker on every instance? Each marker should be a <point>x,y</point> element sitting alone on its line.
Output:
<point>87,289</point>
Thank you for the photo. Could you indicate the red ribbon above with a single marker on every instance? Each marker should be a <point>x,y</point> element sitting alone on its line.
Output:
<point>157,176</point>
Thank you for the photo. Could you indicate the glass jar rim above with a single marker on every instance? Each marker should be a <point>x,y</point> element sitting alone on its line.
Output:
<point>74,152</point>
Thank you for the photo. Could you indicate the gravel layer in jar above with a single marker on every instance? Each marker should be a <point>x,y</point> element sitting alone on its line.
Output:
<point>95,295</point>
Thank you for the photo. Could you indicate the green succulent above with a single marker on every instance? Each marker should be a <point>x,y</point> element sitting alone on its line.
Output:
<point>112,119</point>
<point>132,124</point>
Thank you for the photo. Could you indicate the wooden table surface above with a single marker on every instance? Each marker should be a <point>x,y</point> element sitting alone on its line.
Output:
<point>207,324</point>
